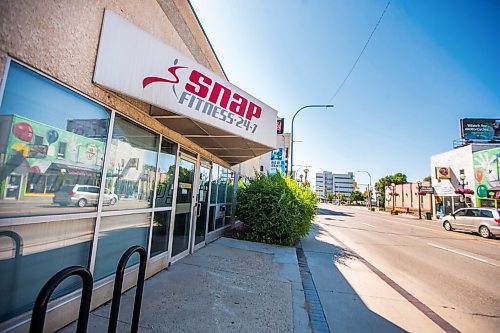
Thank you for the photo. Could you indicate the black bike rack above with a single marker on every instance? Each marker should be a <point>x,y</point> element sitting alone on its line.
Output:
<point>40,307</point>
<point>16,238</point>
<point>17,254</point>
<point>117,291</point>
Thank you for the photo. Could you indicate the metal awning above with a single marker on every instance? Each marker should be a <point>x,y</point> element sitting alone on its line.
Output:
<point>229,147</point>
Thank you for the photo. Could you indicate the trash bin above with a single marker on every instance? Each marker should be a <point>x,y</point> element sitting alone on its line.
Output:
<point>428,215</point>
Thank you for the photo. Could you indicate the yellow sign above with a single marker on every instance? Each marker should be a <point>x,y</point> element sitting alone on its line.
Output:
<point>186,186</point>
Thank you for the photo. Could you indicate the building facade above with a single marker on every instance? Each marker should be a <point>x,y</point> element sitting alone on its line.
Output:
<point>128,101</point>
<point>466,176</point>
<point>335,183</point>
<point>406,197</point>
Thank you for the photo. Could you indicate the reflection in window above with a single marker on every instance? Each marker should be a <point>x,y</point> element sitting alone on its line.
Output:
<point>132,165</point>
<point>51,137</point>
<point>116,235</point>
<point>166,171</point>
<point>31,254</point>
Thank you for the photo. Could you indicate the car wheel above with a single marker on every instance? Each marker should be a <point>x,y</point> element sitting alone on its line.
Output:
<point>81,203</point>
<point>447,226</point>
<point>484,231</point>
<point>112,201</point>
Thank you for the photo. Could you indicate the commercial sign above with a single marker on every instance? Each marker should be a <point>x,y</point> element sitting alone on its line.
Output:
<point>278,157</point>
<point>445,190</point>
<point>135,63</point>
<point>280,125</point>
<point>427,189</point>
<point>480,129</point>
<point>443,173</point>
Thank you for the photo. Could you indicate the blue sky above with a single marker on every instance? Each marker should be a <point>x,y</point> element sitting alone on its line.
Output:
<point>429,64</point>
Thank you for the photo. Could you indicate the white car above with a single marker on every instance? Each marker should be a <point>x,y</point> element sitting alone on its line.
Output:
<point>485,221</point>
<point>82,195</point>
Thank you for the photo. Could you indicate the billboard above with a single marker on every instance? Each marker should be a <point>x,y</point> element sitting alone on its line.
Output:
<point>480,129</point>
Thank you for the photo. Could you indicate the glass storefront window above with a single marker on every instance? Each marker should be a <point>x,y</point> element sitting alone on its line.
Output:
<point>215,177</point>
<point>31,254</point>
<point>50,137</point>
<point>166,171</point>
<point>161,226</point>
<point>116,235</point>
<point>132,165</point>
<point>221,185</point>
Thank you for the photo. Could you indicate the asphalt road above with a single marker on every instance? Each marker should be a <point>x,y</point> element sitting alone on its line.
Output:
<point>455,274</point>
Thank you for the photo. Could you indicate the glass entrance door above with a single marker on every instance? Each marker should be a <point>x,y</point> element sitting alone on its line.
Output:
<point>202,206</point>
<point>183,207</point>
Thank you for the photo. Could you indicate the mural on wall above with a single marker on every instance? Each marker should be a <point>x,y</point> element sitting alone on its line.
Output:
<point>486,173</point>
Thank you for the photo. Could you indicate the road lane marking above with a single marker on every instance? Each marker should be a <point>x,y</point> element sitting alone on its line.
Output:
<point>457,252</point>
<point>383,218</point>
<point>447,232</point>
<point>369,225</point>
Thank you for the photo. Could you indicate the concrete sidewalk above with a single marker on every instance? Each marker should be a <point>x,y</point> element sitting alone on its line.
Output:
<point>227,286</point>
<point>238,286</point>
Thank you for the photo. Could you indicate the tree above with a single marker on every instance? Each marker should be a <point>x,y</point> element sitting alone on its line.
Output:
<point>356,196</point>
<point>397,178</point>
<point>330,197</point>
<point>428,179</point>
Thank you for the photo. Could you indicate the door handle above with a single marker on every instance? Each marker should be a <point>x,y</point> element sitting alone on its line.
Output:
<point>198,209</point>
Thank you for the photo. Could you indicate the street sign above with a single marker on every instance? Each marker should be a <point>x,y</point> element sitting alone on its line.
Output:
<point>427,189</point>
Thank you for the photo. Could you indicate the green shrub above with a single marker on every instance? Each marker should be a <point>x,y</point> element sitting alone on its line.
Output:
<point>275,209</point>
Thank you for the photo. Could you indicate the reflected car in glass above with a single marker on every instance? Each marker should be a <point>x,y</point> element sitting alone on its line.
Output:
<point>484,221</point>
<point>82,195</point>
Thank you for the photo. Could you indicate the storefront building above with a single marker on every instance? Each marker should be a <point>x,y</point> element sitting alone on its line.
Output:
<point>466,176</point>
<point>117,128</point>
<point>408,197</point>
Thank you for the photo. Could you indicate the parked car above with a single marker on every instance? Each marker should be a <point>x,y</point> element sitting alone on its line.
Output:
<point>82,195</point>
<point>485,221</point>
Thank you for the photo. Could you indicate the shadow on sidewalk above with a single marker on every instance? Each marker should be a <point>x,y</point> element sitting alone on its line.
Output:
<point>343,307</point>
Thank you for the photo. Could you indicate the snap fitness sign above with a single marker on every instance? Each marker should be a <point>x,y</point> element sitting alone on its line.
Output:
<point>132,62</point>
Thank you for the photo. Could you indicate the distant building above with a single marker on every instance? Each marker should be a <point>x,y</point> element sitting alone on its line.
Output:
<point>336,183</point>
<point>406,197</point>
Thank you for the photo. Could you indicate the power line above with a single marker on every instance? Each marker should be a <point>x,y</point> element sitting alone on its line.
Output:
<point>361,53</point>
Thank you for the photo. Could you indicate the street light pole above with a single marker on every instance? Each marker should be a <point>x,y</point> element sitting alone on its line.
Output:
<point>393,196</point>
<point>419,185</point>
<point>300,167</point>
<point>369,187</point>
<point>462,179</point>
<point>291,134</point>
